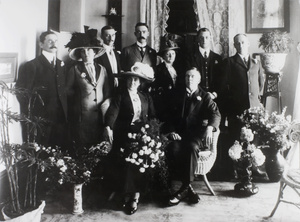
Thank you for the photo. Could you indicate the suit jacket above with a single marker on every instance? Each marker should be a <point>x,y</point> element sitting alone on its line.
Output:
<point>132,54</point>
<point>85,98</point>
<point>214,69</point>
<point>39,73</point>
<point>120,113</point>
<point>192,115</point>
<point>244,84</point>
<point>104,61</point>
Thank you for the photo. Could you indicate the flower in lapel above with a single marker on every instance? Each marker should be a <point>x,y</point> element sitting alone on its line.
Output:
<point>199,98</point>
<point>62,63</point>
<point>83,75</point>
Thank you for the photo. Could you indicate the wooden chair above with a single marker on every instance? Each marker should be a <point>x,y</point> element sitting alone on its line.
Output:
<point>291,176</point>
<point>206,161</point>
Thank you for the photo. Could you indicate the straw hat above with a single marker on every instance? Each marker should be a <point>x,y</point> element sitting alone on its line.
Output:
<point>84,40</point>
<point>140,70</point>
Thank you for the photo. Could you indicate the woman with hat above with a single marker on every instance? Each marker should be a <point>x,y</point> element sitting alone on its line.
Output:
<point>87,88</point>
<point>128,112</point>
<point>168,78</point>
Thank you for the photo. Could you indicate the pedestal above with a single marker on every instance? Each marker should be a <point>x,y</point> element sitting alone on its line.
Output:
<point>272,89</point>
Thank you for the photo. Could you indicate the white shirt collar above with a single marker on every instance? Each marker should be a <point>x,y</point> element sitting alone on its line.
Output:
<point>202,51</point>
<point>190,92</point>
<point>140,44</point>
<point>107,47</point>
<point>242,57</point>
<point>49,56</point>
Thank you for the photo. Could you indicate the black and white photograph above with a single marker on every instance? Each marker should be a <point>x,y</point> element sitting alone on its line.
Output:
<point>149,110</point>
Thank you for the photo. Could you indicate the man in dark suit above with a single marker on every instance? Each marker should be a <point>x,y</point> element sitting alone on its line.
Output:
<point>195,118</point>
<point>244,80</point>
<point>139,51</point>
<point>207,62</point>
<point>46,74</point>
<point>111,59</point>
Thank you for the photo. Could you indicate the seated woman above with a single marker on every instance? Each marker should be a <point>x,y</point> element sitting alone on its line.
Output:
<point>128,111</point>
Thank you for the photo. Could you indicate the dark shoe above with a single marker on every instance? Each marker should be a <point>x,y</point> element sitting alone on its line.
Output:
<point>131,206</point>
<point>192,195</point>
<point>178,196</point>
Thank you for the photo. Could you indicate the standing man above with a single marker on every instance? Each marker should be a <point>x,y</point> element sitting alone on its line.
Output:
<point>207,62</point>
<point>244,80</point>
<point>111,59</point>
<point>195,118</point>
<point>46,75</point>
<point>139,51</point>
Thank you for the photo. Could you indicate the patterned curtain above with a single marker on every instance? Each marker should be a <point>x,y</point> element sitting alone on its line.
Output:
<point>155,14</point>
<point>213,14</point>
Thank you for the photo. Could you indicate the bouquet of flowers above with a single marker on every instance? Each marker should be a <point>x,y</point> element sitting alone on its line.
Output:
<point>145,148</point>
<point>245,154</point>
<point>270,130</point>
<point>245,151</point>
<point>63,168</point>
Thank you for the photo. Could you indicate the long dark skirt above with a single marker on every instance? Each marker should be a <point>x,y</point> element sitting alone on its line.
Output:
<point>122,176</point>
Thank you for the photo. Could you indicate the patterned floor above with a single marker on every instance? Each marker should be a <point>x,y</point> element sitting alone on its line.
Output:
<point>225,206</point>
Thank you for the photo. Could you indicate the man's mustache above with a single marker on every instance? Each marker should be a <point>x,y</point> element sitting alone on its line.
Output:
<point>53,47</point>
<point>142,37</point>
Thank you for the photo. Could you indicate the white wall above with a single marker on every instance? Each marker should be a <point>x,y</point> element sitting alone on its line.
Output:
<point>236,13</point>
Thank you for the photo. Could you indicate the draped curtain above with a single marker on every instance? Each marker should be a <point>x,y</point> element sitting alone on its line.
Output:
<point>155,14</point>
<point>212,14</point>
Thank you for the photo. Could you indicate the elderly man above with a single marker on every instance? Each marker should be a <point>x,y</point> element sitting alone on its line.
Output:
<point>244,80</point>
<point>46,75</point>
<point>111,59</point>
<point>139,51</point>
<point>195,118</point>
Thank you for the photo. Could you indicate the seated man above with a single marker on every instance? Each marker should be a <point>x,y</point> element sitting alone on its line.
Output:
<point>194,118</point>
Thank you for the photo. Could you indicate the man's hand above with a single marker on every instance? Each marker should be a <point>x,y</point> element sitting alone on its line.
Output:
<point>208,135</point>
<point>213,95</point>
<point>108,134</point>
<point>175,136</point>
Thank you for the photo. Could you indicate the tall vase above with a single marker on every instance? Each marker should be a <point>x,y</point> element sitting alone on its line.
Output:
<point>274,165</point>
<point>245,187</point>
<point>77,207</point>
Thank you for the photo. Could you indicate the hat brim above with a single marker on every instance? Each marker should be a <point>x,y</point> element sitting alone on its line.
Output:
<point>167,49</point>
<point>73,54</point>
<point>130,73</point>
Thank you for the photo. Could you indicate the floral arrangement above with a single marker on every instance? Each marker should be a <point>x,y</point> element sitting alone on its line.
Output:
<point>145,148</point>
<point>245,150</point>
<point>63,168</point>
<point>246,154</point>
<point>270,130</point>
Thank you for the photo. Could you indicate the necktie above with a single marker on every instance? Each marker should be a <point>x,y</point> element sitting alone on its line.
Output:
<point>205,55</point>
<point>142,49</point>
<point>53,63</point>
<point>246,62</point>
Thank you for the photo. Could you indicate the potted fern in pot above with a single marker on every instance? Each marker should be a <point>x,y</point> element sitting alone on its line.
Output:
<point>277,45</point>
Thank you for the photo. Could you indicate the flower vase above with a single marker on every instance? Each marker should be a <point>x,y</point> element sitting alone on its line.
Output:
<point>246,187</point>
<point>77,207</point>
<point>274,164</point>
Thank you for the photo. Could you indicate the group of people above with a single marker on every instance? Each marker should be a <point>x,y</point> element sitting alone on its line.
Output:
<point>106,94</point>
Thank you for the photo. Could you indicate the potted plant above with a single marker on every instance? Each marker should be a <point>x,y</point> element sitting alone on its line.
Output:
<point>16,158</point>
<point>276,45</point>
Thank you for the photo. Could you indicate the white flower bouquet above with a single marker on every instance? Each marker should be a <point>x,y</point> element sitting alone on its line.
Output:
<point>145,148</point>
<point>63,168</point>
